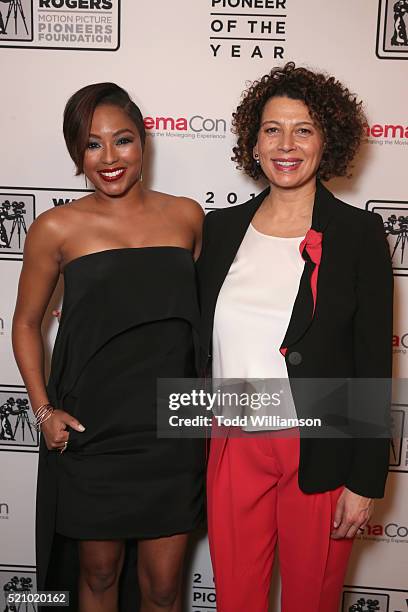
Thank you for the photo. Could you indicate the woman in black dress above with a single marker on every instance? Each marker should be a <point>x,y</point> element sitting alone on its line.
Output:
<point>129,317</point>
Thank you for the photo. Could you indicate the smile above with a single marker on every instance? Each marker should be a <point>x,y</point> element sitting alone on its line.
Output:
<point>112,175</point>
<point>286,164</point>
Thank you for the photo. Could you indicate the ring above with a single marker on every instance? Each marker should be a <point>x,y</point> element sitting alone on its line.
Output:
<point>64,447</point>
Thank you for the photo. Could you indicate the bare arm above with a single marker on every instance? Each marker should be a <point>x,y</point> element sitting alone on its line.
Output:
<point>38,279</point>
<point>194,215</point>
<point>39,276</point>
<point>198,232</point>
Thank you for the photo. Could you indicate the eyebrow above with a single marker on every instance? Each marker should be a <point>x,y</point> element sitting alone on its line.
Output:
<point>122,131</point>
<point>297,123</point>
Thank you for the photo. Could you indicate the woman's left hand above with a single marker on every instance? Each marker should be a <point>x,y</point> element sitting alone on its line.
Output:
<point>353,512</point>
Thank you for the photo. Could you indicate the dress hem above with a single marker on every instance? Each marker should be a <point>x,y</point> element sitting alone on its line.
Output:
<point>165,533</point>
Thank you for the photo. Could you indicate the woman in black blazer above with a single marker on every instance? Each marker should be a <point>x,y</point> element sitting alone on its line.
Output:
<point>310,492</point>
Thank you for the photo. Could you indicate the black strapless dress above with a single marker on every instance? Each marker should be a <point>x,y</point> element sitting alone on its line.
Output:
<point>129,317</point>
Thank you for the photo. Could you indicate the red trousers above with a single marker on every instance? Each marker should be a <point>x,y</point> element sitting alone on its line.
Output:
<point>254,501</point>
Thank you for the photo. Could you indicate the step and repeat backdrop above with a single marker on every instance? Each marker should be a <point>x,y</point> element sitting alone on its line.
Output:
<point>186,64</point>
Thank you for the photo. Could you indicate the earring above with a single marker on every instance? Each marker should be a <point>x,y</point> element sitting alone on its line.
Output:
<point>257,159</point>
<point>86,182</point>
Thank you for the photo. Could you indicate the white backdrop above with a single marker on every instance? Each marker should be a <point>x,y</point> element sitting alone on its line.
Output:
<point>185,63</point>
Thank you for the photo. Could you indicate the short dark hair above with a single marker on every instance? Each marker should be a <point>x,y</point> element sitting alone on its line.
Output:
<point>334,109</point>
<point>79,111</point>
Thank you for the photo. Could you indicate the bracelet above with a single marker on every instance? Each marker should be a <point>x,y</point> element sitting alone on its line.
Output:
<point>42,409</point>
<point>42,414</point>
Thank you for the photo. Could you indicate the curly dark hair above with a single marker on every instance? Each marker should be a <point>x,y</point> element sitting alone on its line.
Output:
<point>332,107</point>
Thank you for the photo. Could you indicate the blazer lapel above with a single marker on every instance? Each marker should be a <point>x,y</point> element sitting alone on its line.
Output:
<point>304,306</point>
<point>234,235</point>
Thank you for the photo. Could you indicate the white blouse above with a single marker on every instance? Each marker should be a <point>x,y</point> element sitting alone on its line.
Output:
<point>254,308</point>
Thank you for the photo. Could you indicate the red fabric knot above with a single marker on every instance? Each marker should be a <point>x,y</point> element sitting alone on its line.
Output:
<point>312,243</point>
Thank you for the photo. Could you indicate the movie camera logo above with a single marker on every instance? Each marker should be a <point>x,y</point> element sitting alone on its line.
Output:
<point>196,126</point>
<point>373,599</point>
<point>19,580</point>
<point>395,218</point>
<point>16,20</point>
<point>60,24</point>
<point>17,212</point>
<point>248,28</point>
<point>392,29</point>
<point>4,510</point>
<point>365,602</point>
<point>399,440</point>
<point>18,206</point>
<point>17,427</point>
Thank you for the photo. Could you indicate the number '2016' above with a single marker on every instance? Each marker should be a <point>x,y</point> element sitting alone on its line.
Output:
<point>232,197</point>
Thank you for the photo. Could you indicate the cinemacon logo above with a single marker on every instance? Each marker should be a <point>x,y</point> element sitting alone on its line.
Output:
<point>197,124</point>
<point>386,130</point>
<point>398,341</point>
<point>391,530</point>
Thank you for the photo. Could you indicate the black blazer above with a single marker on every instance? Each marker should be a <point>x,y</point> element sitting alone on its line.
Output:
<point>347,335</point>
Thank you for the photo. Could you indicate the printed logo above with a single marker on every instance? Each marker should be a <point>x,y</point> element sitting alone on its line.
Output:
<point>391,533</point>
<point>196,126</point>
<point>372,599</point>
<point>395,217</point>
<point>203,595</point>
<point>18,209</point>
<point>16,20</point>
<point>399,343</point>
<point>17,580</point>
<point>399,442</point>
<point>397,424</point>
<point>392,36</point>
<point>365,602</point>
<point>255,33</point>
<point>17,212</point>
<point>386,134</point>
<point>60,24</point>
<point>17,420</point>
<point>4,510</point>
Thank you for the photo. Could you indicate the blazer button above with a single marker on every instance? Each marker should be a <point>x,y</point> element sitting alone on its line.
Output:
<point>295,358</point>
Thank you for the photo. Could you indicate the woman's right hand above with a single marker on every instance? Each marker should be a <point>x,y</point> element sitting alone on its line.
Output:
<point>54,429</point>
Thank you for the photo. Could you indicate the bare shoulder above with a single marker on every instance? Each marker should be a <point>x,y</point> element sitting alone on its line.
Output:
<point>49,222</point>
<point>47,226</point>
<point>181,206</point>
<point>190,210</point>
<point>191,207</point>
<point>56,223</point>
